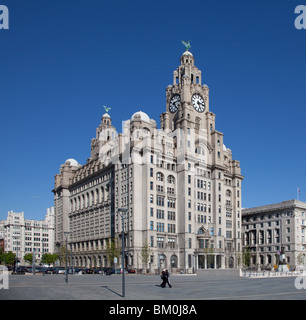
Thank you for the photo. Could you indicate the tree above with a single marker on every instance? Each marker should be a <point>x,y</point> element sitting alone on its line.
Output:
<point>145,254</point>
<point>9,258</point>
<point>112,251</point>
<point>62,255</point>
<point>49,258</point>
<point>246,257</point>
<point>1,255</point>
<point>28,257</point>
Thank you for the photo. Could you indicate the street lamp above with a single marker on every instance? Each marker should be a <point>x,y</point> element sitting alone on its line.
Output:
<point>122,212</point>
<point>33,261</point>
<point>66,233</point>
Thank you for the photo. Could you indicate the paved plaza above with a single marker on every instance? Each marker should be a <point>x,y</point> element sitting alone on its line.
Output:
<point>146,287</point>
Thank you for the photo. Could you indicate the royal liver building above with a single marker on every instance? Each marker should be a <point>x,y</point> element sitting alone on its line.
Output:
<point>179,184</point>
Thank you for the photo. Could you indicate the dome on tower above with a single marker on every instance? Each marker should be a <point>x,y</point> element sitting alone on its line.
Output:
<point>139,115</point>
<point>187,53</point>
<point>72,162</point>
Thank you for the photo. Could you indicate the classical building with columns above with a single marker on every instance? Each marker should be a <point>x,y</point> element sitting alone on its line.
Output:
<point>268,228</point>
<point>179,184</point>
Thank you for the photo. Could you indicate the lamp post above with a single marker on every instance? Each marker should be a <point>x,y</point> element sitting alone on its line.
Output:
<point>33,262</point>
<point>122,212</point>
<point>66,233</point>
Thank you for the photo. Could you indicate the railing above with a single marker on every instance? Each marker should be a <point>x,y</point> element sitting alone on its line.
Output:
<point>269,273</point>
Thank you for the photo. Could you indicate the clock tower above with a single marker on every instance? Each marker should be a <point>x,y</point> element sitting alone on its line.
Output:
<point>187,100</point>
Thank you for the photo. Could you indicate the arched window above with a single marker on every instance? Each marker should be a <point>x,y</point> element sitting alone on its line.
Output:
<point>92,198</point>
<point>200,151</point>
<point>83,201</point>
<point>97,196</point>
<point>201,231</point>
<point>102,194</point>
<point>159,176</point>
<point>79,203</point>
<point>173,261</point>
<point>171,179</point>
<point>107,192</point>
<point>87,199</point>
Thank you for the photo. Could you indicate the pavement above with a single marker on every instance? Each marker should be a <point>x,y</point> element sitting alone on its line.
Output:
<point>189,288</point>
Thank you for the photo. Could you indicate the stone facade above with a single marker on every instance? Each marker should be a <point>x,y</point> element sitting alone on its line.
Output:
<point>22,235</point>
<point>179,183</point>
<point>267,228</point>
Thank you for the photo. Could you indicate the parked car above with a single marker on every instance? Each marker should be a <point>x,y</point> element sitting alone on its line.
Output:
<point>119,271</point>
<point>107,271</point>
<point>50,270</point>
<point>28,269</point>
<point>98,271</point>
<point>88,271</point>
<point>78,270</point>
<point>18,270</point>
<point>59,270</point>
<point>40,270</point>
<point>131,271</point>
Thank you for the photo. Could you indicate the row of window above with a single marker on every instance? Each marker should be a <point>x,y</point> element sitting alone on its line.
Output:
<point>105,177</point>
<point>90,199</point>
<point>267,224</point>
<point>160,227</point>
<point>160,188</point>
<point>160,201</point>
<point>160,242</point>
<point>160,177</point>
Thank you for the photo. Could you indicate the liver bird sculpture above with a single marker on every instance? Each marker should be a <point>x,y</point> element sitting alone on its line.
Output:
<point>106,108</point>
<point>187,45</point>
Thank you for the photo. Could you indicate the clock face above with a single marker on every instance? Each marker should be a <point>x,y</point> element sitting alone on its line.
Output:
<point>174,103</point>
<point>198,102</point>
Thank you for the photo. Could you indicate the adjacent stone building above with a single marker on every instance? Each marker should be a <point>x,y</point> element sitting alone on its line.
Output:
<point>23,236</point>
<point>268,228</point>
<point>179,183</point>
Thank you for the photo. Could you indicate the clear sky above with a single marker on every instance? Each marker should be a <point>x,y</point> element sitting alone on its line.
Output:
<point>61,61</point>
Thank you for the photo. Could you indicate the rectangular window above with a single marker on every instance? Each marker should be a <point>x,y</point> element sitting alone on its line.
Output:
<point>160,201</point>
<point>160,242</point>
<point>211,231</point>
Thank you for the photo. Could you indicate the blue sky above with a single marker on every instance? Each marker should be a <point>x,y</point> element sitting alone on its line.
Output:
<point>61,61</point>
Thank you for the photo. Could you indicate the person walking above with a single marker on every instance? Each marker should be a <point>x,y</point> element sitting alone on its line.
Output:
<point>163,277</point>
<point>167,279</point>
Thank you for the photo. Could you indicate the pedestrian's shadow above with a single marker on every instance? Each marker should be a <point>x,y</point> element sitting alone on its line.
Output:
<point>106,287</point>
